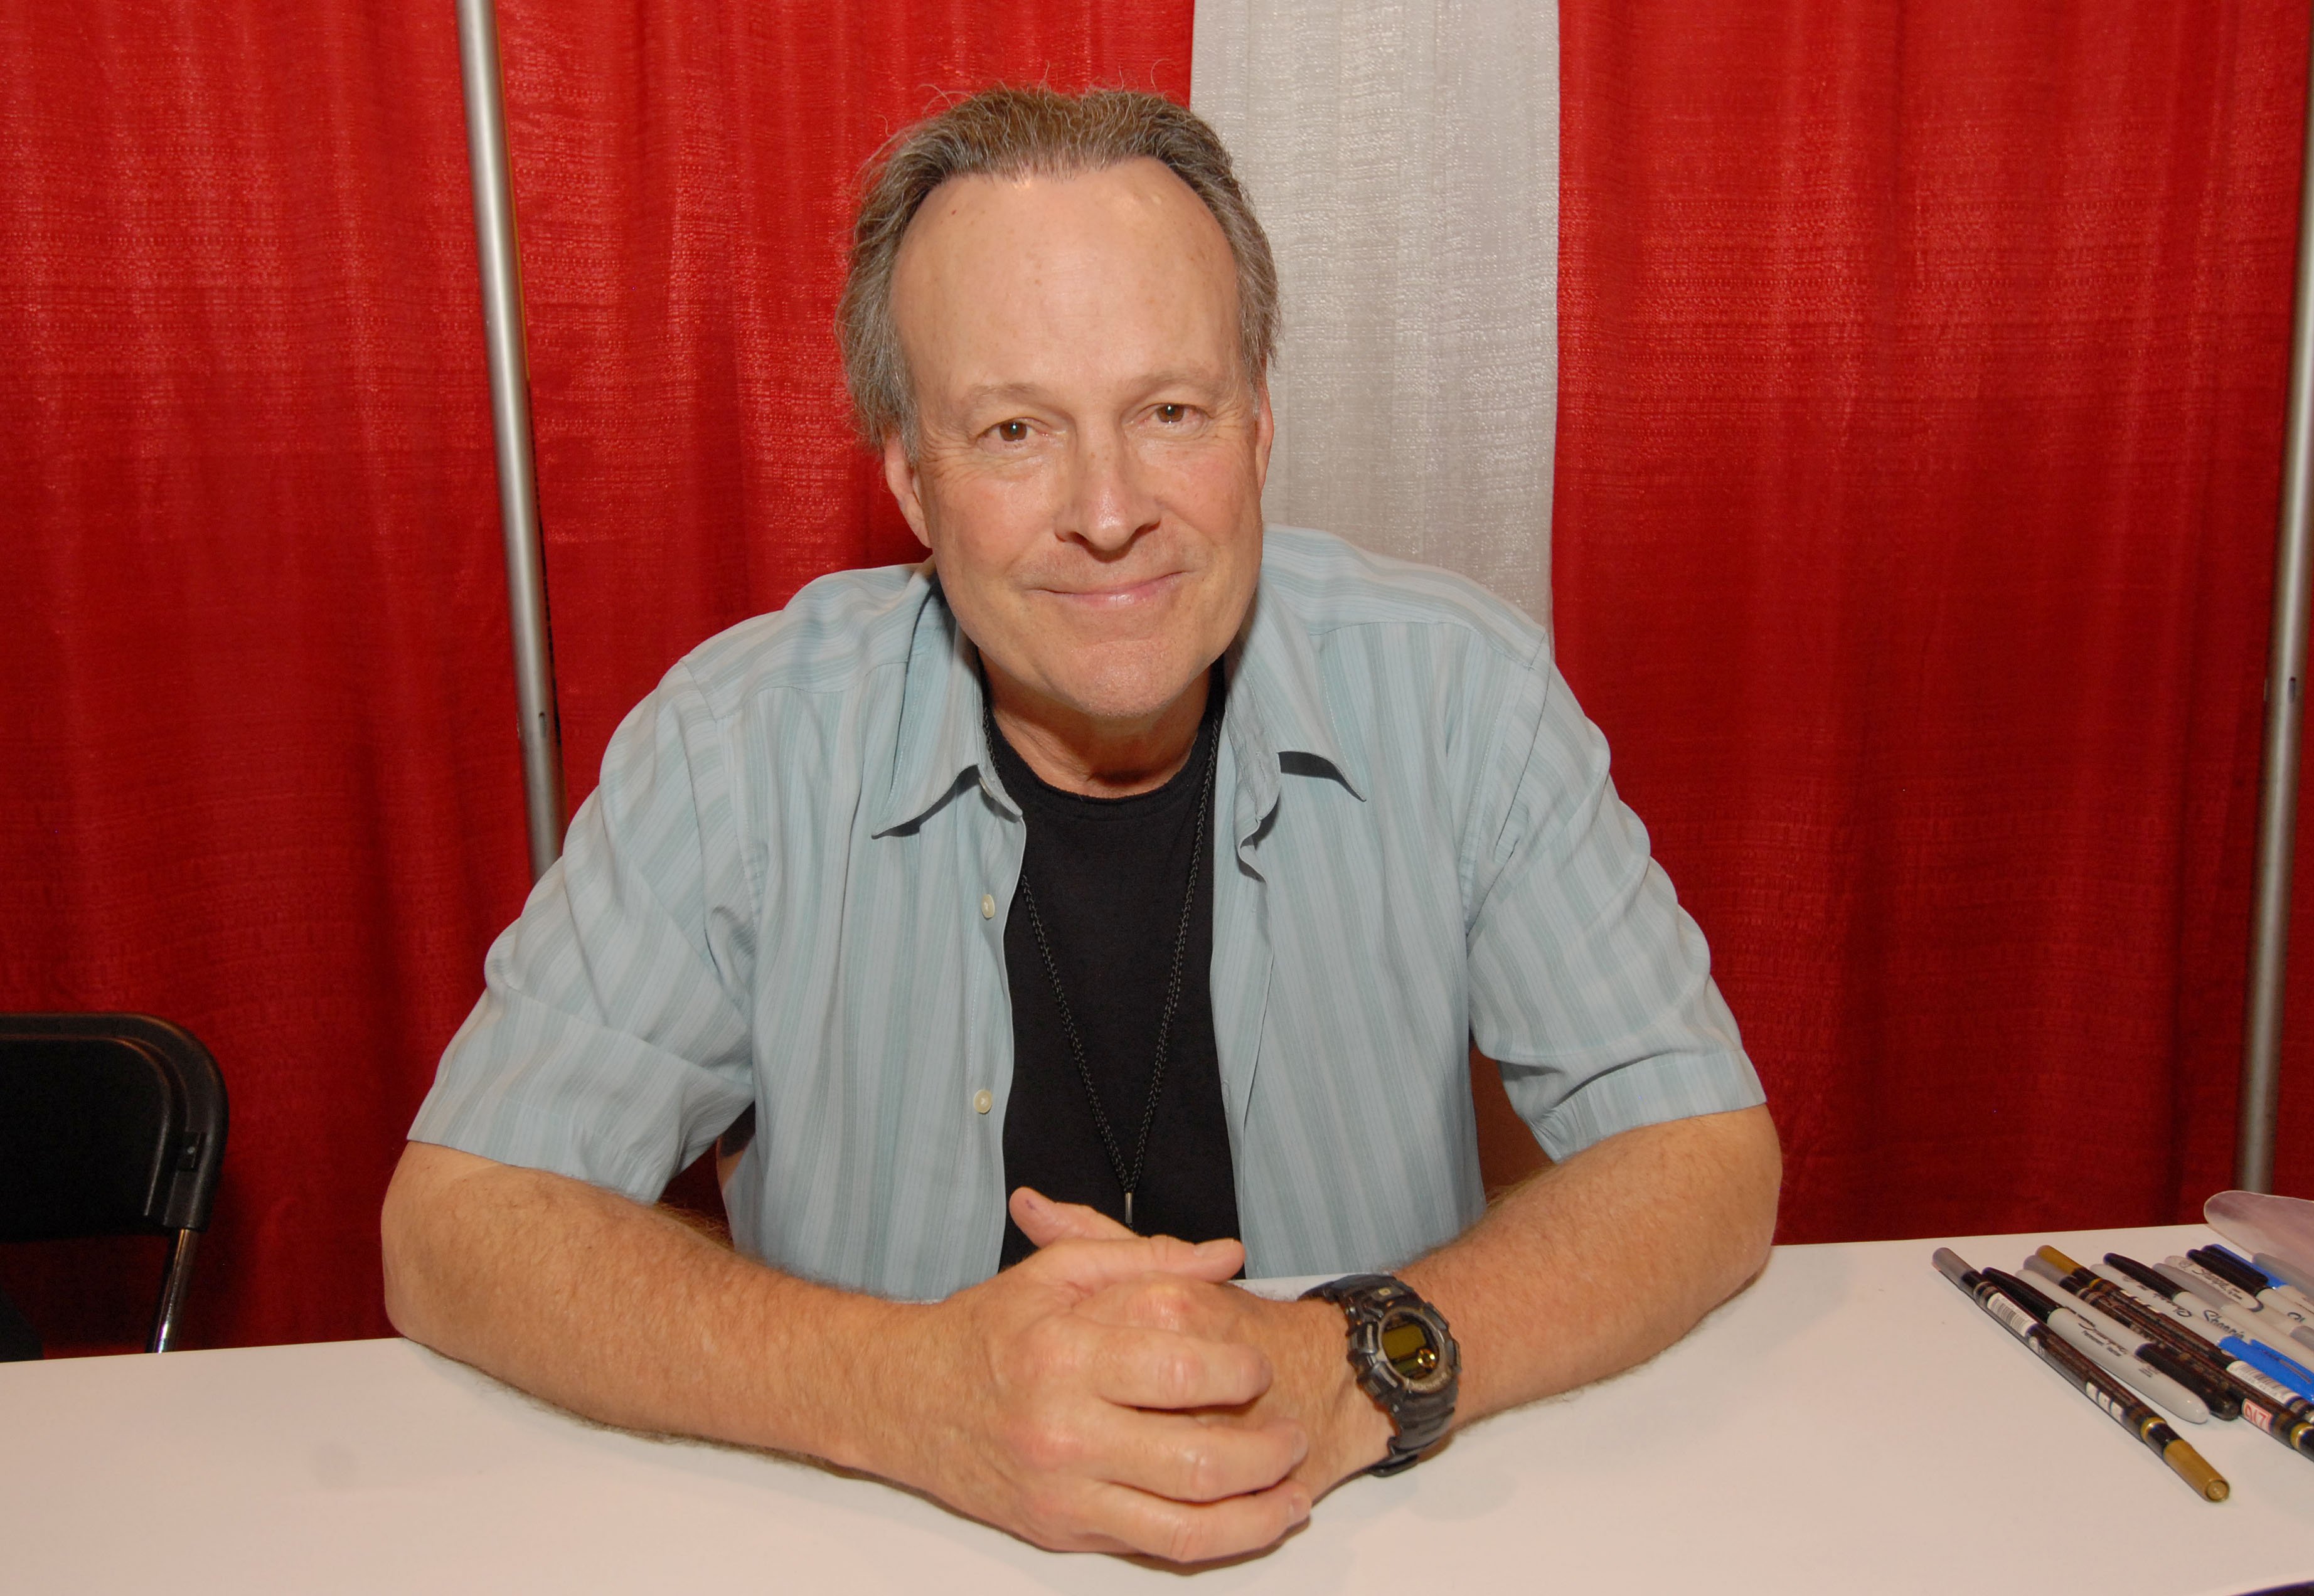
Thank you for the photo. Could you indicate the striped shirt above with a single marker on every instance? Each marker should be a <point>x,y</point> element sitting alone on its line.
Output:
<point>785,892</point>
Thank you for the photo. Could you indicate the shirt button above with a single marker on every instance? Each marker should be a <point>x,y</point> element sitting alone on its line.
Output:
<point>982,1102</point>
<point>987,912</point>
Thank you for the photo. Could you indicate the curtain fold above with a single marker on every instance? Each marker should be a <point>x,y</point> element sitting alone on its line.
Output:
<point>1921,391</point>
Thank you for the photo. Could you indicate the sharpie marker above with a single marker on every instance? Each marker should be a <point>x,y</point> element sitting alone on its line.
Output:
<point>2283,1335</point>
<point>2271,1293</point>
<point>2188,1301</point>
<point>2285,1370</point>
<point>2206,1383</point>
<point>2244,1390</point>
<point>2211,1346</point>
<point>2123,1408</point>
<point>2171,1323</point>
<point>2101,1349</point>
<point>2284,1321</point>
<point>2234,1338</point>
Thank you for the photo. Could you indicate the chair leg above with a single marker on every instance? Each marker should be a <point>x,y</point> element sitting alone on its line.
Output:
<point>174,1287</point>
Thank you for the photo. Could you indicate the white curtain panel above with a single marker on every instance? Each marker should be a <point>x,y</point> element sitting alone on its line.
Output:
<point>1403,156</point>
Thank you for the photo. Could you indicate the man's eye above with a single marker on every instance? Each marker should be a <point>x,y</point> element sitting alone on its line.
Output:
<point>1013,432</point>
<point>1172,415</point>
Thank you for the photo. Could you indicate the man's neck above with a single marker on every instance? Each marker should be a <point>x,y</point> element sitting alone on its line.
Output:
<point>1091,755</point>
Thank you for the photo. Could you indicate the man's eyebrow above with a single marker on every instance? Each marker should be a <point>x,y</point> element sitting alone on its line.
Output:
<point>1185,376</point>
<point>981,393</point>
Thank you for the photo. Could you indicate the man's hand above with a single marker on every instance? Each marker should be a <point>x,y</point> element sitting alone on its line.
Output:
<point>1109,1431</point>
<point>1311,1384</point>
<point>1585,1269</point>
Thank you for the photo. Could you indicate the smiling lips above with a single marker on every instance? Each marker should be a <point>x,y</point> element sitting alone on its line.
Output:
<point>1117,598</point>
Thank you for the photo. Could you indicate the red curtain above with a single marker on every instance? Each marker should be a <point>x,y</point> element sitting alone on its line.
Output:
<point>260,773</point>
<point>1920,429</point>
<point>1921,405</point>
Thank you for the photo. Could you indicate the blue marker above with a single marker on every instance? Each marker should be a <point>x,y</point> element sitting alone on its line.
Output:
<point>2282,1370</point>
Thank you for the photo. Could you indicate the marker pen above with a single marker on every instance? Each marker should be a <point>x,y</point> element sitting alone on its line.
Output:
<point>2275,1296</point>
<point>2220,1397</point>
<point>2285,1320</point>
<point>2271,1374</point>
<point>2285,1370</point>
<point>2101,1349</point>
<point>2272,1407</point>
<point>2283,1335</point>
<point>2175,1327</point>
<point>2083,1376</point>
<point>2187,1300</point>
<point>2218,1261</point>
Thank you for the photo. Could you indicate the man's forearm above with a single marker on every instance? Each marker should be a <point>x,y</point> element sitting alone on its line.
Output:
<point>1001,1400</point>
<point>620,1312</point>
<point>1607,1259</point>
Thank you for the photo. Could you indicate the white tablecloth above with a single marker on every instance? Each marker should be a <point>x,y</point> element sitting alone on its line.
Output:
<point>1849,1424</point>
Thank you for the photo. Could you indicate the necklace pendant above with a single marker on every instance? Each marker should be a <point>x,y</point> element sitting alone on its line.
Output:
<point>1128,1211</point>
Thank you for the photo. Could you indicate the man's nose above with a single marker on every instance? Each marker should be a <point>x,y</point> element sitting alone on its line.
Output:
<point>1110,501</point>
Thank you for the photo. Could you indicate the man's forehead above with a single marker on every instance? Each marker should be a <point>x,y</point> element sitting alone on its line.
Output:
<point>1141,197</point>
<point>1143,176</point>
<point>1075,281</point>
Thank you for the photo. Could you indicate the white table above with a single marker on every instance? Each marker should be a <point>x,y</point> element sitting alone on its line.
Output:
<point>1850,1424</point>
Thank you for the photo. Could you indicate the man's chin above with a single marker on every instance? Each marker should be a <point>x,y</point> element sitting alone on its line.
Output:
<point>1136,692</point>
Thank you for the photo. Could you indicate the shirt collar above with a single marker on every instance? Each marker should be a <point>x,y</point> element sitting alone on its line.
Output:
<point>1276,717</point>
<point>1276,710</point>
<point>941,744</point>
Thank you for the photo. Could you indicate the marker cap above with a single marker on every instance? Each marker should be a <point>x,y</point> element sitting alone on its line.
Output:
<point>2196,1471</point>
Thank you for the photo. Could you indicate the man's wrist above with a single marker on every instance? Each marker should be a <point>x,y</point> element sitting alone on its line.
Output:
<point>1348,1432</point>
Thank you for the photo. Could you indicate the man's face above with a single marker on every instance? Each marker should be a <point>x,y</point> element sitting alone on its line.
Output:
<point>1090,453</point>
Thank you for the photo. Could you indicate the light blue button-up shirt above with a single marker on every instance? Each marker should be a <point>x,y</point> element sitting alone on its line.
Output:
<point>787,890</point>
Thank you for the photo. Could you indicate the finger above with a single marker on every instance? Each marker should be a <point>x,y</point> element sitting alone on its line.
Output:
<point>1044,1222</point>
<point>1181,1457</point>
<point>1213,1310</point>
<point>1197,1532</point>
<point>1142,1368</point>
<point>1085,1268</point>
<point>1187,1457</point>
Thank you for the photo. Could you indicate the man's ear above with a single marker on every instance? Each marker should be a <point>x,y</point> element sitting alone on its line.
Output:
<point>1265,433</point>
<point>900,477</point>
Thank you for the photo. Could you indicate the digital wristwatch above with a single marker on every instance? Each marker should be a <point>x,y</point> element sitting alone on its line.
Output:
<point>1405,1358</point>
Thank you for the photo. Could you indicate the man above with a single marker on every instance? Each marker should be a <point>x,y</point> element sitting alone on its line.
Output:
<point>1118,851</point>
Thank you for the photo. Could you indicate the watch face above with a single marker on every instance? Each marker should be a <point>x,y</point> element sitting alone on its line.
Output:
<point>1411,1349</point>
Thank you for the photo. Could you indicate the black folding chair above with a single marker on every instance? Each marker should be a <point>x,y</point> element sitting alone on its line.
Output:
<point>110,1124</point>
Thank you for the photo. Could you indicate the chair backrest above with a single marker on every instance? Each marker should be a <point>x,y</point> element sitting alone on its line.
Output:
<point>110,1125</point>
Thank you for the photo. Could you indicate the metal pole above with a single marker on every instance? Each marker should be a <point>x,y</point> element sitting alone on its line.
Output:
<point>2286,672</point>
<point>509,362</point>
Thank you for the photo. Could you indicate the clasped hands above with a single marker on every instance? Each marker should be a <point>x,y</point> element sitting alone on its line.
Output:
<point>1112,1393</point>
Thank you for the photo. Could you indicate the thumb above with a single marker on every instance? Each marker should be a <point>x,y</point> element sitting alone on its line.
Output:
<point>1085,1253</point>
<point>1044,1222</point>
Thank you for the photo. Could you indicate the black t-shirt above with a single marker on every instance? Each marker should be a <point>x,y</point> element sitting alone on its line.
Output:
<point>1108,876</point>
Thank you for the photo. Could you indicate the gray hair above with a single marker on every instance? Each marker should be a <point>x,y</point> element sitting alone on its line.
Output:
<point>1007,132</point>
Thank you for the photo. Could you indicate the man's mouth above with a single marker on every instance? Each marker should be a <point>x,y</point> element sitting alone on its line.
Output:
<point>1122,595</point>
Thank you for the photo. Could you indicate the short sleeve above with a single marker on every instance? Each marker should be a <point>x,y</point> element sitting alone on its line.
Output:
<point>611,1040</point>
<point>1590,986</point>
